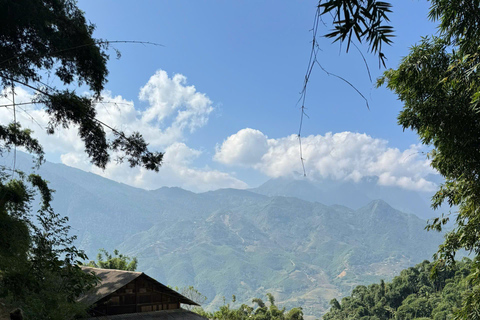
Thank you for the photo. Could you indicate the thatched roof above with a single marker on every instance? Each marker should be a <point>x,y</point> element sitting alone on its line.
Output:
<point>111,280</point>
<point>176,314</point>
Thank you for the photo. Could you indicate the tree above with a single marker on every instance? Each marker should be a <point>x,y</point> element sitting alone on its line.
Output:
<point>39,269</point>
<point>52,38</point>
<point>118,261</point>
<point>439,84</point>
<point>411,295</point>
<point>193,294</point>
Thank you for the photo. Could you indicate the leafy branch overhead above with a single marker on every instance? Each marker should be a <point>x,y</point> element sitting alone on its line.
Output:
<point>58,42</point>
<point>366,20</point>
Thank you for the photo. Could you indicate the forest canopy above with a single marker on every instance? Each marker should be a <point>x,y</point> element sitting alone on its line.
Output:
<point>414,294</point>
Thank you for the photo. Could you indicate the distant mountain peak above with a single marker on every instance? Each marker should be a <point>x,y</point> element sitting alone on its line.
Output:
<point>379,209</point>
<point>380,204</point>
<point>175,189</point>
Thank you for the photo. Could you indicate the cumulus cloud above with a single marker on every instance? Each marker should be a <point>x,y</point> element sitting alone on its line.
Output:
<point>245,148</point>
<point>339,156</point>
<point>167,96</point>
<point>174,110</point>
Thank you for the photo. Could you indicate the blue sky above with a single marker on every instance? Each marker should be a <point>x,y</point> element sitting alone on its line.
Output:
<point>246,61</point>
<point>250,57</point>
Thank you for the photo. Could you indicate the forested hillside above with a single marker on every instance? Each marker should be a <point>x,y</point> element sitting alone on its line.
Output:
<point>414,294</point>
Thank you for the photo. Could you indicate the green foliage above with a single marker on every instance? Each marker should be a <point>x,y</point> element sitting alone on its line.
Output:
<point>261,312</point>
<point>414,294</point>
<point>38,264</point>
<point>118,261</point>
<point>58,41</point>
<point>13,135</point>
<point>364,19</point>
<point>438,82</point>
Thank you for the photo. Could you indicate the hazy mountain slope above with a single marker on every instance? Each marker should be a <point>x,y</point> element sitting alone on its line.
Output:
<point>240,242</point>
<point>306,253</point>
<point>350,194</point>
<point>101,212</point>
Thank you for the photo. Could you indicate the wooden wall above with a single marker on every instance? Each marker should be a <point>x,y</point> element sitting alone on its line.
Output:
<point>140,295</point>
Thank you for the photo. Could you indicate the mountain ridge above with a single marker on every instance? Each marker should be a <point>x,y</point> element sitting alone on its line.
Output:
<point>351,194</point>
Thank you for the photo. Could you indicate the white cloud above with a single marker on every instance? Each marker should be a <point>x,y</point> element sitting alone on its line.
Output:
<point>340,156</point>
<point>168,96</point>
<point>246,148</point>
<point>180,154</point>
<point>177,170</point>
<point>174,111</point>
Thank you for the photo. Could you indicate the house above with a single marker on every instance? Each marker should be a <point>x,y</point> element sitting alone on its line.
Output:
<point>134,295</point>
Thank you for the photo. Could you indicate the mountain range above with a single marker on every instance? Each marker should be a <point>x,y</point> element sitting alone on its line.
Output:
<point>351,194</point>
<point>278,238</point>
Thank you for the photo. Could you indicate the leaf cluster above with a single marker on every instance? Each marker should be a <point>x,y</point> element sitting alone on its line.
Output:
<point>366,20</point>
<point>52,36</point>
<point>13,135</point>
